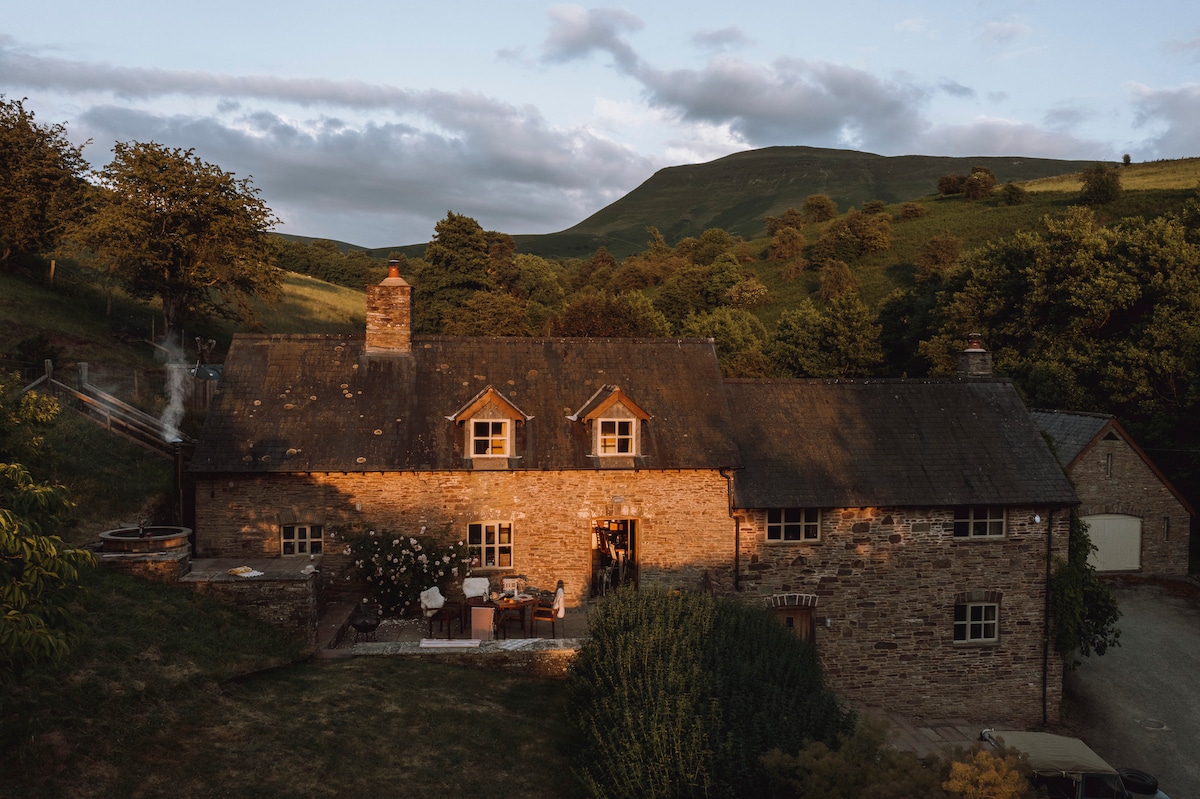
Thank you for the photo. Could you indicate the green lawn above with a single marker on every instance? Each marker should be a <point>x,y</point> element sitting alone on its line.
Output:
<point>171,695</point>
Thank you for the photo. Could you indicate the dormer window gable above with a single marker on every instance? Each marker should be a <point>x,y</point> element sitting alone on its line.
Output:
<point>614,421</point>
<point>489,420</point>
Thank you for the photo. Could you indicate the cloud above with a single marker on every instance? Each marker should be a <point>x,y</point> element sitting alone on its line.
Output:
<point>1189,48</point>
<point>955,89</point>
<point>1004,33</point>
<point>1002,137</point>
<point>791,101</point>
<point>576,32</point>
<point>1174,117</point>
<point>718,40</point>
<point>1065,117</point>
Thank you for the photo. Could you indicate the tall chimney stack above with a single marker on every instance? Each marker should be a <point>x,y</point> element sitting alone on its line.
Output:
<point>974,361</point>
<point>389,314</point>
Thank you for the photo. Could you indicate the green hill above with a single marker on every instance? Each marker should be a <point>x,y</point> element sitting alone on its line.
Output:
<point>737,191</point>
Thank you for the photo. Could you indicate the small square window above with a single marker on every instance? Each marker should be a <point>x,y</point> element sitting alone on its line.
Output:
<point>793,524</point>
<point>976,622</point>
<point>978,521</point>
<point>301,539</point>
<point>489,438</point>
<point>617,437</point>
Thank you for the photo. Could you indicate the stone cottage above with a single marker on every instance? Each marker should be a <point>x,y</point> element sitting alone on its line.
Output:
<point>1137,520</point>
<point>906,527</point>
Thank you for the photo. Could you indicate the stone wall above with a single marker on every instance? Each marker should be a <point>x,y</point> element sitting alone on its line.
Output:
<point>291,605</point>
<point>1110,477</point>
<point>886,581</point>
<point>685,533</point>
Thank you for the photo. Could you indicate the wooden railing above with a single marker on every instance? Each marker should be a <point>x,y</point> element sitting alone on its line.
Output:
<point>113,414</point>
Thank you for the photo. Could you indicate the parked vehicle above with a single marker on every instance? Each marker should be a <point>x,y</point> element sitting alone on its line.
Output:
<point>1068,769</point>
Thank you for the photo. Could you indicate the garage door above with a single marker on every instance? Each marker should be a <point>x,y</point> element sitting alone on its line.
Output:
<point>1118,541</point>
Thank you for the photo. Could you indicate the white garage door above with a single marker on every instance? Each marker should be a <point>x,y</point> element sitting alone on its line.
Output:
<point>1118,541</point>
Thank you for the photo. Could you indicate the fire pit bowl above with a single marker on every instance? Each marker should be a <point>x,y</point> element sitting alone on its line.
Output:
<point>145,539</point>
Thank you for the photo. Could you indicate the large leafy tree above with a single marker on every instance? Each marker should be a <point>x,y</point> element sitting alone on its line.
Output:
<point>171,226</point>
<point>457,264</point>
<point>41,182</point>
<point>840,340</point>
<point>1091,318</point>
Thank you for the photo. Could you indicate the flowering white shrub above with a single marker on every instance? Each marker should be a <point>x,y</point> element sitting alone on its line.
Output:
<point>397,568</point>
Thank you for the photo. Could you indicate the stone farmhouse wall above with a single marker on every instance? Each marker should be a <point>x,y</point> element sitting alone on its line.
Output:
<point>1129,486</point>
<point>887,581</point>
<point>685,532</point>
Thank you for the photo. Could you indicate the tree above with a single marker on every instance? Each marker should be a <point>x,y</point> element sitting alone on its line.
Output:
<point>818,208</point>
<point>487,313</point>
<point>840,341</point>
<point>786,245</point>
<point>980,184</point>
<point>592,313</point>
<point>1101,185</point>
<point>1012,194</point>
<point>789,218</point>
<point>37,570</point>
<point>456,265</point>
<point>177,228</point>
<point>41,182</point>
<point>938,254</point>
<point>950,184</point>
<point>738,336</point>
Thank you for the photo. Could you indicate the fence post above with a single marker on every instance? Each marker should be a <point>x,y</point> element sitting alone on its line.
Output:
<point>83,374</point>
<point>49,365</point>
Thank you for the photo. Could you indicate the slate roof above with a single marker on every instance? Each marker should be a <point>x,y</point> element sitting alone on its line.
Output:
<point>299,403</point>
<point>1070,431</point>
<point>870,443</point>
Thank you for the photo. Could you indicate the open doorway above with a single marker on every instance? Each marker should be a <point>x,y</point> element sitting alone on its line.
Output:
<point>614,554</point>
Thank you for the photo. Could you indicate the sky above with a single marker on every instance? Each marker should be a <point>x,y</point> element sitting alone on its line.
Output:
<point>367,122</point>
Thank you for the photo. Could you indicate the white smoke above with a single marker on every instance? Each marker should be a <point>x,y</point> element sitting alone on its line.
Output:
<point>178,386</point>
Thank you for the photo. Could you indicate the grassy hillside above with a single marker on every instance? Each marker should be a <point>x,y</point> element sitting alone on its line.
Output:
<point>737,191</point>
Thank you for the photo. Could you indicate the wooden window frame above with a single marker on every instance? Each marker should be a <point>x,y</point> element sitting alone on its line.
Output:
<point>302,539</point>
<point>805,523</point>
<point>491,545</point>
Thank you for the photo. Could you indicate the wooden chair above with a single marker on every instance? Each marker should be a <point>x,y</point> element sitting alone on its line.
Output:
<point>436,608</point>
<point>550,611</point>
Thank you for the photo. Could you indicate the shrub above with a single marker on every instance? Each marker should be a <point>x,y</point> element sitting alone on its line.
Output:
<point>979,185</point>
<point>398,567</point>
<point>874,207</point>
<point>680,694</point>
<point>1101,185</point>
<point>910,210</point>
<point>950,184</point>
<point>1012,194</point>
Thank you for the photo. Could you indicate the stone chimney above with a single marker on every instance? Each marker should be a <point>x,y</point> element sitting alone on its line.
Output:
<point>389,315</point>
<point>974,361</point>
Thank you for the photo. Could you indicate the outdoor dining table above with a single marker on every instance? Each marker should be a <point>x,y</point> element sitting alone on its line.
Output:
<point>519,603</point>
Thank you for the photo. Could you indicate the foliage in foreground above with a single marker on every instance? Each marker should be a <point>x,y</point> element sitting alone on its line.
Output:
<point>38,571</point>
<point>864,765</point>
<point>680,694</point>
<point>1085,610</point>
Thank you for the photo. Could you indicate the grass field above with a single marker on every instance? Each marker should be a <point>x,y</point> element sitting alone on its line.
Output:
<point>172,695</point>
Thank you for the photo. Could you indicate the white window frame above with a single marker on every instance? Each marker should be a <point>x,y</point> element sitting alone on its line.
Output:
<point>980,623</point>
<point>302,539</point>
<point>613,432</point>
<point>980,521</point>
<point>492,436</point>
<point>490,544</point>
<point>793,525</point>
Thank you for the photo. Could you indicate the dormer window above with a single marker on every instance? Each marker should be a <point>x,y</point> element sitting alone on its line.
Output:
<point>614,421</point>
<point>617,437</point>
<point>490,438</point>
<point>489,424</point>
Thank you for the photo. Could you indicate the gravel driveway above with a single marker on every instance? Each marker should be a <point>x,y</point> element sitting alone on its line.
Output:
<point>1138,705</point>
